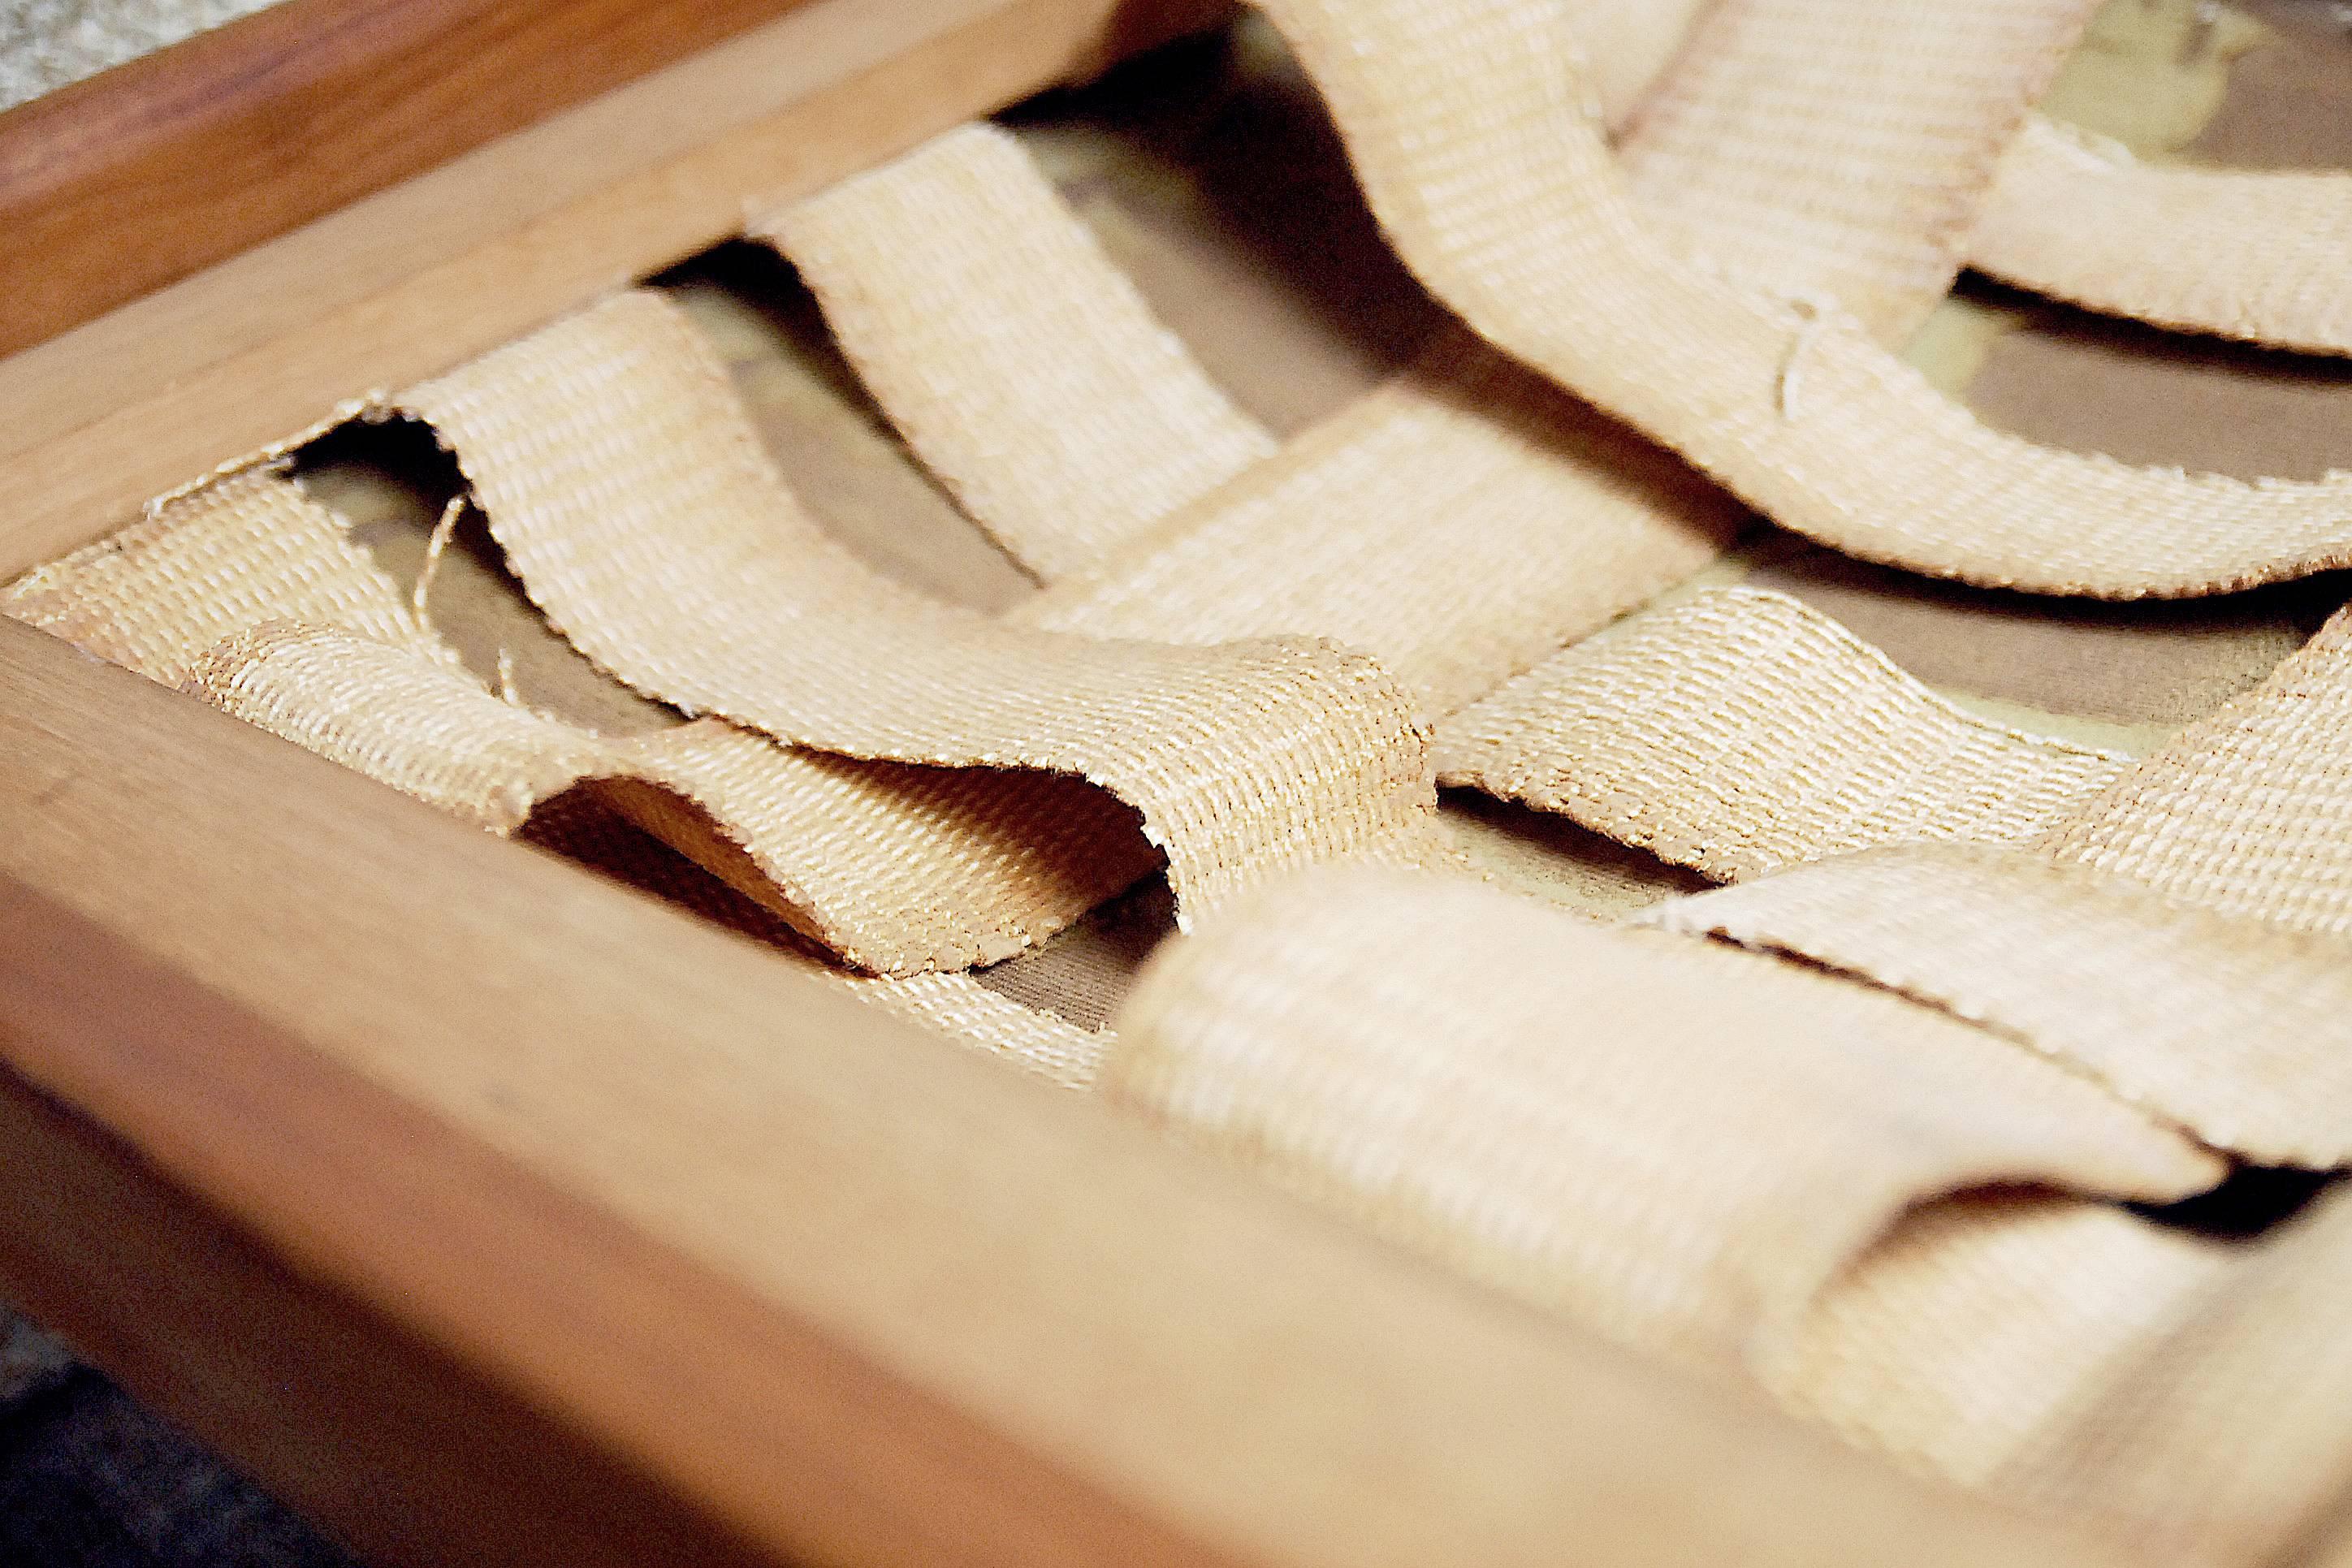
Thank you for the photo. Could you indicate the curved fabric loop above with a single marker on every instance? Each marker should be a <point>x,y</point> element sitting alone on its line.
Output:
<point>1740,730</point>
<point>426,730</point>
<point>2224,1438</point>
<point>893,868</point>
<point>2238,1032</point>
<point>896,869</point>
<point>186,597</point>
<point>636,506</point>
<point>1982,1324</point>
<point>1466,127</point>
<point>2264,257</point>
<point>1842,145</point>
<point>1015,357</point>
<point>1678,1142</point>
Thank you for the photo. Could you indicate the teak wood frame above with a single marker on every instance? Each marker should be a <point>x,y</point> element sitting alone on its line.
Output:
<point>496,1215</point>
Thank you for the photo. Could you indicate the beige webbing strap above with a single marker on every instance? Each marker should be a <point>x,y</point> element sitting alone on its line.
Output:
<point>1981,1324</point>
<point>1681,1143</point>
<point>1740,730</point>
<point>428,732</point>
<point>425,728</point>
<point>2264,257</point>
<point>2238,1033</point>
<point>894,869</point>
<point>1464,120</point>
<point>186,596</point>
<point>635,505</point>
<point>1843,145</point>
<point>1624,50</point>
<point>1011,352</point>
<point>248,548</point>
<point>1460,523</point>
<point>960,1006</point>
<point>2227,1437</point>
<point>2249,810</point>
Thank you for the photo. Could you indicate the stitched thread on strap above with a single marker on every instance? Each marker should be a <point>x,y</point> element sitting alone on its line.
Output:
<point>1464,120</point>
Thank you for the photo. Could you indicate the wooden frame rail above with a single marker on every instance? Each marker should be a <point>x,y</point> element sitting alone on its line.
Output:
<point>115,187</point>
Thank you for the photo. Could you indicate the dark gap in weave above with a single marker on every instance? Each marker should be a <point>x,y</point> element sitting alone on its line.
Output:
<point>2072,379</point>
<point>1080,976</point>
<point>389,480</point>
<point>2160,661</point>
<point>1211,174</point>
<point>1083,974</point>
<point>2250,1204</point>
<point>836,448</point>
<point>582,827</point>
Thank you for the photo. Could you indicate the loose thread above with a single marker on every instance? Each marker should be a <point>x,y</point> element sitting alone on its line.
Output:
<point>433,545</point>
<point>1813,310</point>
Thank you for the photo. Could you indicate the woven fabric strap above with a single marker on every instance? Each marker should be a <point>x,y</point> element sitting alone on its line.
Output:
<point>878,863</point>
<point>635,505</point>
<point>2222,1438</point>
<point>1843,145</point>
<point>1739,730</point>
<point>1013,356</point>
<point>2237,1031</point>
<point>155,597</point>
<point>703,790</point>
<point>1465,126</point>
<point>1082,435</point>
<point>1849,147</point>
<point>196,594</point>
<point>1707,1154</point>
<point>2264,257</point>
<point>1460,523</point>
<point>2248,811</point>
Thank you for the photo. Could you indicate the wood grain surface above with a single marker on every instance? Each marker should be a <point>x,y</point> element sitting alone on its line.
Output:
<point>437,269</point>
<point>835,1285</point>
<point>116,185</point>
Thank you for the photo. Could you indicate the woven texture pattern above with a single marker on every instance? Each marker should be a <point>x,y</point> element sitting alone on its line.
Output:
<point>872,862</point>
<point>1885,1133</point>
<point>2212,1436</point>
<point>2240,1033</point>
<point>1576,521</point>
<point>198,595</point>
<point>1843,145</point>
<point>2247,811</point>
<point>1698,731</point>
<point>1466,124</point>
<point>2257,256</point>
<point>637,507</point>
<point>1683,1145</point>
<point>1032,379</point>
<point>156,597</point>
<point>1010,353</point>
